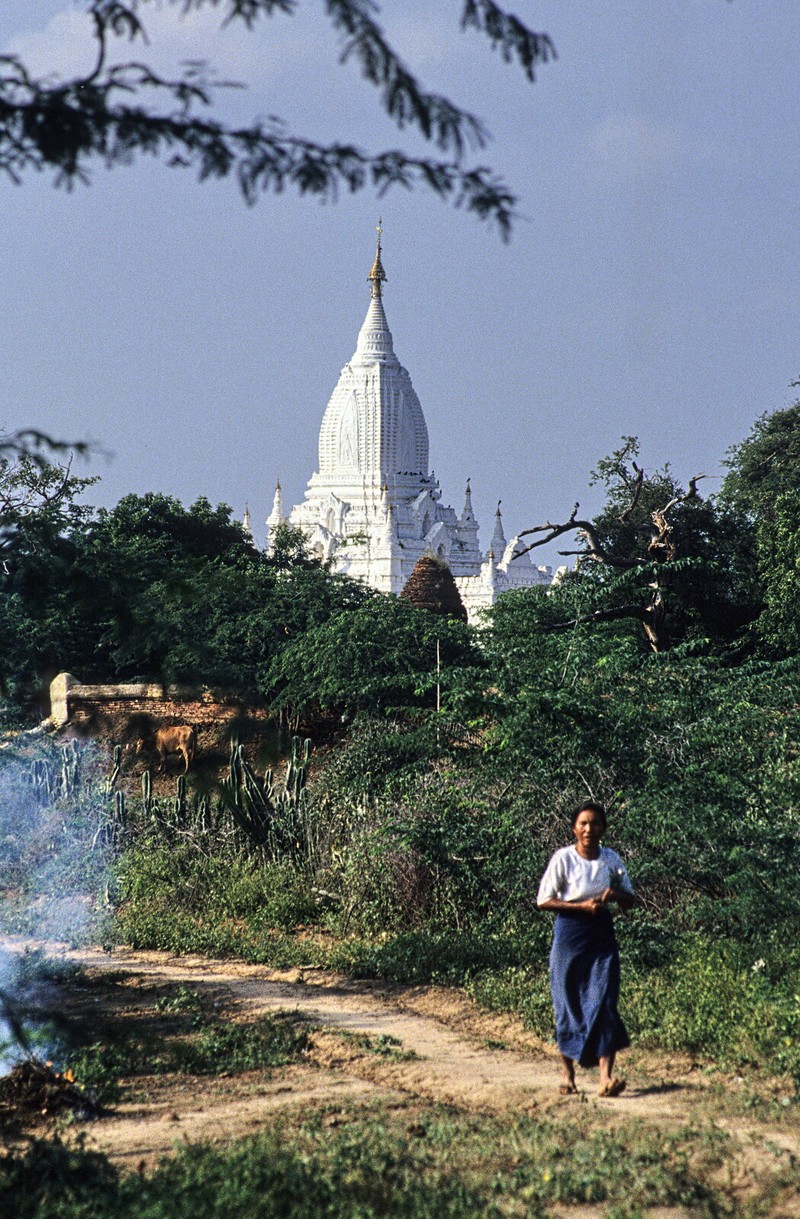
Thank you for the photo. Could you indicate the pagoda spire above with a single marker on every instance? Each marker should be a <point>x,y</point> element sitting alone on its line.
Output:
<point>377,275</point>
<point>468,514</point>
<point>374,344</point>
<point>498,542</point>
<point>276,517</point>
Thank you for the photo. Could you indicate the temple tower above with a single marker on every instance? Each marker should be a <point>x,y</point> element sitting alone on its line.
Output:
<point>373,508</point>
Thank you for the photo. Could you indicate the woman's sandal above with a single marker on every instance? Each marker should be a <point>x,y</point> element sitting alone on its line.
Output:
<point>567,1089</point>
<point>613,1088</point>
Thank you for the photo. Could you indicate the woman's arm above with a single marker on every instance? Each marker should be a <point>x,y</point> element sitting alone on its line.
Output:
<point>622,897</point>
<point>620,889</point>
<point>590,905</point>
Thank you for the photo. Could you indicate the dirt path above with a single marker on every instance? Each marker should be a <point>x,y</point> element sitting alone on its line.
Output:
<point>452,1052</point>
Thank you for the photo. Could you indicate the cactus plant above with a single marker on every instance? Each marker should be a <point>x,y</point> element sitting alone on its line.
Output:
<point>70,768</point>
<point>271,819</point>
<point>147,792</point>
<point>117,767</point>
<point>202,812</point>
<point>298,770</point>
<point>180,800</point>
<point>51,781</point>
<point>41,778</point>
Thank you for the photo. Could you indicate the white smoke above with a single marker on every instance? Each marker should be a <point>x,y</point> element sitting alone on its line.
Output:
<point>56,828</point>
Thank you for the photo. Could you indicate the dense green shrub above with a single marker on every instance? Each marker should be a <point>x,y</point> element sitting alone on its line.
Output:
<point>253,1178</point>
<point>716,1000</point>
<point>155,878</point>
<point>445,1164</point>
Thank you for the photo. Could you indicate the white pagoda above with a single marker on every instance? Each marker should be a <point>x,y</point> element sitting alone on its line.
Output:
<point>373,508</point>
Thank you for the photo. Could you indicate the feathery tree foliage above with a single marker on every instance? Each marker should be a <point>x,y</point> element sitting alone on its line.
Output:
<point>760,491</point>
<point>765,465</point>
<point>123,108</point>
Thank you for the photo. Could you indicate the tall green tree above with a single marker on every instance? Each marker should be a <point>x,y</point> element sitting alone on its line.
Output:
<point>760,492</point>
<point>145,572</point>
<point>147,589</point>
<point>182,594</point>
<point>765,464</point>
<point>778,552</point>
<point>40,522</point>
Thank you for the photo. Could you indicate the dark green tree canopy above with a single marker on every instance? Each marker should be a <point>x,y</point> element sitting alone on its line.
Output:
<point>37,498</point>
<point>375,657</point>
<point>161,522</point>
<point>778,552</point>
<point>765,465</point>
<point>123,108</point>
<point>146,589</point>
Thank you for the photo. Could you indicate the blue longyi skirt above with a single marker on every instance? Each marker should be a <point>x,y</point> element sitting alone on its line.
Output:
<point>584,981</point>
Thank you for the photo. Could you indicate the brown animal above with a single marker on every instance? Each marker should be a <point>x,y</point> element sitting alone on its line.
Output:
<point>179,738</point>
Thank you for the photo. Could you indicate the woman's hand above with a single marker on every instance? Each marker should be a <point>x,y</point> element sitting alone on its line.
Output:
<point>622,897</point>
<point>592,904</point>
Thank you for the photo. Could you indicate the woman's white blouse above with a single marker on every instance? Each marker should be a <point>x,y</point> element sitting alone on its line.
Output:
<point>571,878</point>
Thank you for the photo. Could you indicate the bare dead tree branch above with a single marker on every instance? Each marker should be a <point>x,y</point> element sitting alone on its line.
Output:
<point>605,615</point>
<point>636,493</point>
<point>662,546</point>
<point>595,549</point>
<point>661,551</point>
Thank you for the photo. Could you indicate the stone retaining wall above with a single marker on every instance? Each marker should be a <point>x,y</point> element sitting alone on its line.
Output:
<point>127,711</point>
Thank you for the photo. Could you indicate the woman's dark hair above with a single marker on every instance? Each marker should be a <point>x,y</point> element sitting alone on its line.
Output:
<point>590,806</point>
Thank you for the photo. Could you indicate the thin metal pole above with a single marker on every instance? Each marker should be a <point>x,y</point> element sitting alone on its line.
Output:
<point>438,676</point>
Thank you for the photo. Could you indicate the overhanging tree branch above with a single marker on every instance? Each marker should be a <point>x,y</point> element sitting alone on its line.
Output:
<point>514,39</point>
<point>35,445</point>
<point>120,110</point>
<point>445,124</point>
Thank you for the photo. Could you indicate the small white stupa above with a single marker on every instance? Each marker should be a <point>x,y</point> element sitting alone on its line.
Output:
<point>373,508</point>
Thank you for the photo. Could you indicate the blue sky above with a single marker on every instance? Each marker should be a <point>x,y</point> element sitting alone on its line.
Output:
<point>651,286</point>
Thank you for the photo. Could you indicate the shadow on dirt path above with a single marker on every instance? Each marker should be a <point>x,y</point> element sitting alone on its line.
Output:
<point>452,1052</point>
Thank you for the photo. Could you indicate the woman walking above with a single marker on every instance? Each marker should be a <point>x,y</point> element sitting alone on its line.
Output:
<point>580,883</point>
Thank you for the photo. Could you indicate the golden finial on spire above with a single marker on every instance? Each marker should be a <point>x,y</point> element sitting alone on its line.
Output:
<point>377,275</point>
